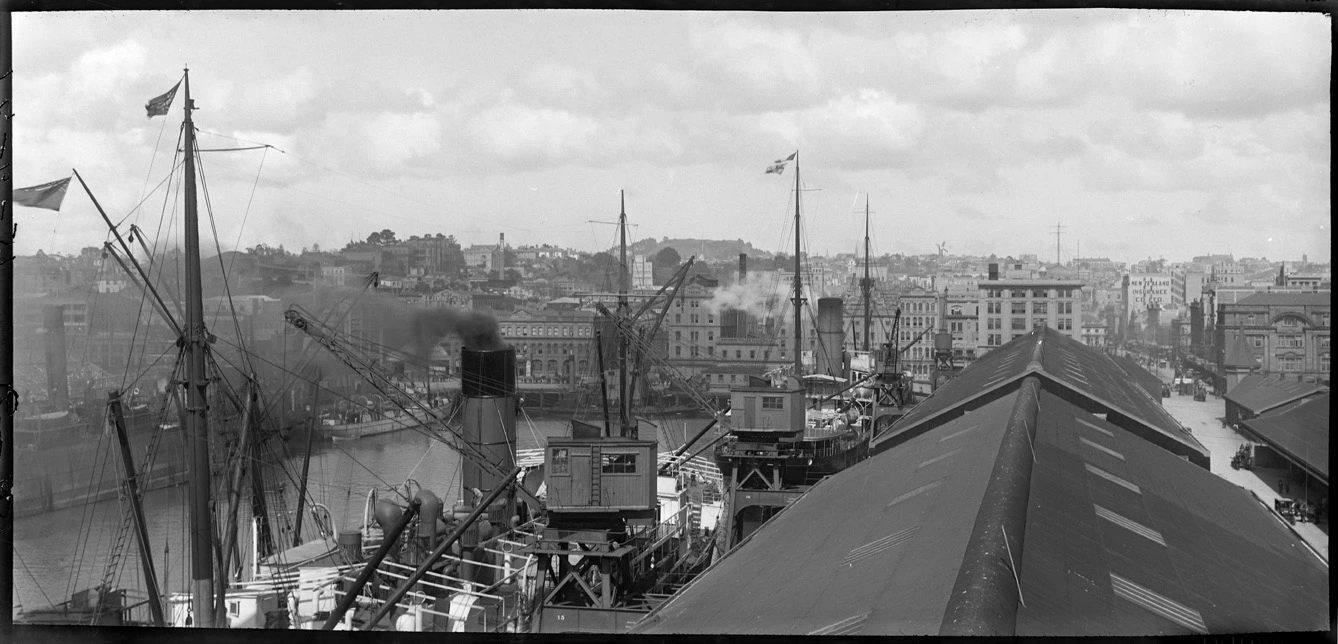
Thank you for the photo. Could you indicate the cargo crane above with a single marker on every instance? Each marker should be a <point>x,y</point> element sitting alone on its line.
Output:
<point>605,546</point>
<point>365,367</point>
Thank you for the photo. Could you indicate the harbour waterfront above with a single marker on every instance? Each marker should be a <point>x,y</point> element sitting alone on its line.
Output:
<point>64,551</point>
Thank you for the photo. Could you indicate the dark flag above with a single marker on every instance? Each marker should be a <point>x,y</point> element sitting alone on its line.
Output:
<point>158,106</point>
<point>779,166</point>
<point>47,195</point>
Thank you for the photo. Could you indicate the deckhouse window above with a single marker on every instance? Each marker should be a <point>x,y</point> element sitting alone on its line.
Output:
<point>561,461</point>
<point>618,464</point>
<point>773,402</point>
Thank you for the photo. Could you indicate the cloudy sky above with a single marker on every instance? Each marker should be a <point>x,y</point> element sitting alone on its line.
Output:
<point>1144,133</point>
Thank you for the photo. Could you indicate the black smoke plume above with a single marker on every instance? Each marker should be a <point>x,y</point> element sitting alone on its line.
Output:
<point>476,330</point>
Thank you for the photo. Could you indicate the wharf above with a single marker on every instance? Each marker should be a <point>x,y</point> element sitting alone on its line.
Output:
<point>1207,422</point>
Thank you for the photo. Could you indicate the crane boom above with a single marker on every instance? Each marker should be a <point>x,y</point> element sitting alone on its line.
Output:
<point>329,338</point>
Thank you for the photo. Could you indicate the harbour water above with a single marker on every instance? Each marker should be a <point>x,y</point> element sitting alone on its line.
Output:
<point>65,551</point>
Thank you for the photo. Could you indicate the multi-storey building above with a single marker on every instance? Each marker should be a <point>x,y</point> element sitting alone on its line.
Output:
<point>1287,333</point>
<point>919,316</point>
<point>1187,285</point>
<point>1010,308</point>
<point>551,345</point>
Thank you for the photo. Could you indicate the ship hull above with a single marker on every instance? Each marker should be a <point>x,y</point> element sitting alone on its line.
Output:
<point>64,465</point>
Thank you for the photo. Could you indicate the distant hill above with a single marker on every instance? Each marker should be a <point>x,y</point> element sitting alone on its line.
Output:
<point>711,249</point>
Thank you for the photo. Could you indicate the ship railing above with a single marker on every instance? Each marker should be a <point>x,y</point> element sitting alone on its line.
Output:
<point>415,599</point>
<point>734,448</point>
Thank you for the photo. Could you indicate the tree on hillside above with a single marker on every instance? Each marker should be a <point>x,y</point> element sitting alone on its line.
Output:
<point>667,257</point>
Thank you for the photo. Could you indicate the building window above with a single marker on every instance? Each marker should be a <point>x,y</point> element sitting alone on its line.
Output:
<point>738,354</point>
<point>1289,363</point>
<point>695,317</point>
<point>752,354</point>
<point>1257,341</point>
<point>618,464</point>
<point>710,335</point>
<point>710,351</point>
<point>994,323</point>
<point>561,460</point>
<point>1038,308</point>
<point>678,317</point>
<point>1019,308</point>
<point>678,352</point>
<point>1019,324</point>
<point>773,402</point>
<point>1324,362</point>
<point>1291,341</point>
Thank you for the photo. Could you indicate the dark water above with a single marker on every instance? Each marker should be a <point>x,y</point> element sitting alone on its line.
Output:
<point>62,552</point>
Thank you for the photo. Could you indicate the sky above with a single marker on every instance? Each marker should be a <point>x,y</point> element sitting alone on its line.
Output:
<point>1144,134</point>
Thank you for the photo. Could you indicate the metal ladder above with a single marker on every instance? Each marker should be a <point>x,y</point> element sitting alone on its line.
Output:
<point>596,473</point>
<point>122,534</point>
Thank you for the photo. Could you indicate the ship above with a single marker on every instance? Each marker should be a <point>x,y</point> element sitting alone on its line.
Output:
<point>789,429</point>
<point>587,534</point>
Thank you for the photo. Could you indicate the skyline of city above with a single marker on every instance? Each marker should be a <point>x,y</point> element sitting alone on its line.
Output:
<point>1143,133</point>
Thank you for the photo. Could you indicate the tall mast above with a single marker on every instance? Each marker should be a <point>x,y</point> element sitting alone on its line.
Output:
<point>197,418</point>
<point>622,314</point>
<point>867,285</point>
<point>798,281</point>
<point>9,399</point>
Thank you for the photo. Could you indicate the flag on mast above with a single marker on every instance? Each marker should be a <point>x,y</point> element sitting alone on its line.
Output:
<point>48,195</point>
<point>779,166</point>
<point>159,105</point>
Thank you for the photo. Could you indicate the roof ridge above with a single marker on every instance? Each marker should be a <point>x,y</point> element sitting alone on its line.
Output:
<point>985,596</point>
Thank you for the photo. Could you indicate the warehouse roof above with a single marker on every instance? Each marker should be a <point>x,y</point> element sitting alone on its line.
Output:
<point>1259,393</point>
<point>1070,368</point>
<point>1299,432</point>
<point>1113,536</point>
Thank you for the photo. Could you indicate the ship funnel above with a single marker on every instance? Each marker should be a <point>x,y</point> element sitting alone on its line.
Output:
<point>831,321</point>
<point>488,416</point>
<point>57,370</point>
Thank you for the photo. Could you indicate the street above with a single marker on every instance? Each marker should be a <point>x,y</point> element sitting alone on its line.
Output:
<point>1205,421</point>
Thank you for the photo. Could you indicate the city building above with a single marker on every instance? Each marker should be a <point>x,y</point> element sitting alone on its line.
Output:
<point>553,346</point>
<point>1286,333</point>
<point>1011,308</point>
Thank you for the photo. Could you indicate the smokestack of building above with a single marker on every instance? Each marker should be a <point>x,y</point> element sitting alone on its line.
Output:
<point>994,272</point>
<point>488,419</point>
<point>743,268</point>
<point>831,327</point>
<point>57,371</point>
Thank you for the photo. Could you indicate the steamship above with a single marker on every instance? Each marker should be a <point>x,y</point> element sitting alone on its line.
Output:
<point>790,430</point>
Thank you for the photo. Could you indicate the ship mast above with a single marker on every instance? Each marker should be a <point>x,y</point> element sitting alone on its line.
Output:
<point>623,421</point>
<point>867,284</point>
<point>197,419</point>
<point>798,281</point>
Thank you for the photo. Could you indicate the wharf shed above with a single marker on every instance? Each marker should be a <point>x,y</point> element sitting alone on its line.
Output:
<point>1259,394</point>
<point>1298,433</point>
<point>1039,493</point>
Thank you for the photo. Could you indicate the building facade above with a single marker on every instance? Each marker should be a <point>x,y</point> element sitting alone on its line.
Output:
<point>1011,308</point>
<point>1287,333</point>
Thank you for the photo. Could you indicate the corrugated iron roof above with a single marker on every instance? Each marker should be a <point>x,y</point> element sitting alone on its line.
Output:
<point>1145,379</point>
<point>1084,372</point>
<point>1259,393</point>
<point>1128,539</point>
<point>1300,432</point>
